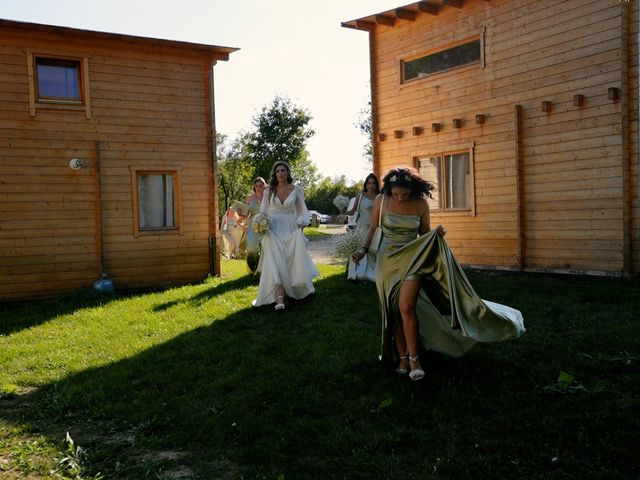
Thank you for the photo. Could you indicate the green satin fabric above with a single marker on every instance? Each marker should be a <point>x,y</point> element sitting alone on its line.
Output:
<point>253,242</point>
<point>451,316</point>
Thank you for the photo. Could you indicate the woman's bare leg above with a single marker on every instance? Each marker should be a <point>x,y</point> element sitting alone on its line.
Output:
<point>279,294</point>
<point>408,300</point>
<point>401,346</point>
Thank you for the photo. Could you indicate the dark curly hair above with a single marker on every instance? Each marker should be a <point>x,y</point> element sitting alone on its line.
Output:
<point>375,179</point>
<point>273,181</point>
<point>407,178</point>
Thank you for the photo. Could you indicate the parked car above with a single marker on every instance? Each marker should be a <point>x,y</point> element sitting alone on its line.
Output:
<point>322,217</point>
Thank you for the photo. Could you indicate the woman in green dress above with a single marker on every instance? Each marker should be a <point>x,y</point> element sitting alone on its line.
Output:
<point>253,243</point>
<point>363,206</point>
<point>425,297</point>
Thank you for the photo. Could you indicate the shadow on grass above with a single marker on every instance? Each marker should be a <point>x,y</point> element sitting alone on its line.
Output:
<point>216,290</point>
<point>301,394</point>
<point>16,316</point>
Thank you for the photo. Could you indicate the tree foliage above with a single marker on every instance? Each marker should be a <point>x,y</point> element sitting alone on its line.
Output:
<point>280,132</point>
<point>366,129</point>
<point>235,171</point>
<point>320,197</point>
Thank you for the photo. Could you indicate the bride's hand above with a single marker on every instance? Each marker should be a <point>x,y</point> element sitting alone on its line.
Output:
<point>441,231</point>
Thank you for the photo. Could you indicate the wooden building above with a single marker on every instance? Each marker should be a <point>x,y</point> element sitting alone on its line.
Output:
<point>524,113</point>
<point>107,160</point>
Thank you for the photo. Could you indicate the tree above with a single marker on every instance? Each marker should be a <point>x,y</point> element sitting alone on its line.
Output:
<point>281,132</point>
<point>235,171</point>
<point>365,126</point>
<point>320,197</point>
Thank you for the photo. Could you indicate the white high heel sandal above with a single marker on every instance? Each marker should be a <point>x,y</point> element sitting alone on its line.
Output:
<point>400,370</point>
<point>279,305</point>
<point>416,373</point>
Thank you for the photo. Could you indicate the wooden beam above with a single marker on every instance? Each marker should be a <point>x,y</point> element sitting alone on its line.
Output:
<point>384,20</point>
<point>427,7</point>
<point>364,25</point>
<point>454,3</point>
<point>520,190</point>
<point>405,14</point>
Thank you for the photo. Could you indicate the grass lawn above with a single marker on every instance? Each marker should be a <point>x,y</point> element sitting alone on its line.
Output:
<point>193,382</point>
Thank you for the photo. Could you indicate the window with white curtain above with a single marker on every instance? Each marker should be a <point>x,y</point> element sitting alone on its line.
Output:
<point>156,200</point>
<point>451,173</point>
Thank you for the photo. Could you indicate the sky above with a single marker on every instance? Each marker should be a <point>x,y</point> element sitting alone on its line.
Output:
<point>290,48</point>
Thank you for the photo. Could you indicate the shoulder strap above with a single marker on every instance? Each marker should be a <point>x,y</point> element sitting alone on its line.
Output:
<point>359,202</point>
<point>381,207</point>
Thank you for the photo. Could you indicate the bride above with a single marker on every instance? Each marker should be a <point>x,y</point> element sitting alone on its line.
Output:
<point>285,265</point>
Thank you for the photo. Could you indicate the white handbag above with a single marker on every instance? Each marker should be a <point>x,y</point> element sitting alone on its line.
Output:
<point>376,241</point>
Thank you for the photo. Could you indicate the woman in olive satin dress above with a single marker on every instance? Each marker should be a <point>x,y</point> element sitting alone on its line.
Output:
<point>425,297</point>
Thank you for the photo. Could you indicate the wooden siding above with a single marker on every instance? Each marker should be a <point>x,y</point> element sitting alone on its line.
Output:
<point>573,186</point>
<point>59,227</point>
<point>634,132</point>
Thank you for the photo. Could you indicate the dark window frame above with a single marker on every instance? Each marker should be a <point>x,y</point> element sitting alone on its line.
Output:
<point>467,41</point>
<point>76,64</point>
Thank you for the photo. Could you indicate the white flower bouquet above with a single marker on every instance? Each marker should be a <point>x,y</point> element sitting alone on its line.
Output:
<point>260,223</point>
<point>345,246</point>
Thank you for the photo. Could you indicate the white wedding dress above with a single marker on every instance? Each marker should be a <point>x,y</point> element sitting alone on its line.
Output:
<point>284,259</point>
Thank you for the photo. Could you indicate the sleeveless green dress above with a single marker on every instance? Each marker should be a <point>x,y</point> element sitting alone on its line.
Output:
<point>451,316</point>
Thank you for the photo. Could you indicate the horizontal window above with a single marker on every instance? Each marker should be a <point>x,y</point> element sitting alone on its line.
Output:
<point>461,55</point>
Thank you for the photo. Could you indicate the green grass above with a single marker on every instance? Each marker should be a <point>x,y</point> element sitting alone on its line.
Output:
<point>192,382</point>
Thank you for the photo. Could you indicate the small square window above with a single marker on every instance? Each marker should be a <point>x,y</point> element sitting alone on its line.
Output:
<point>156,201</point>
<point>58,80</point>
<point>452,176</point>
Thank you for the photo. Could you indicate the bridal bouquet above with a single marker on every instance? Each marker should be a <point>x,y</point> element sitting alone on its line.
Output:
<point>260,223</point>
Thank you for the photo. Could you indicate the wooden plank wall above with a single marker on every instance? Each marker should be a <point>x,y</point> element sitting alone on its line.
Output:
<point>634,132</point>
<point>148,110</point>
<point>535,50</point>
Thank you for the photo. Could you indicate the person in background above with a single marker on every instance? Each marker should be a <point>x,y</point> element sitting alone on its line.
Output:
<point>286,269</point>
<point>253,243</point>
<point>425,298</point>
<point>363,206</point>
<point>231,231</point>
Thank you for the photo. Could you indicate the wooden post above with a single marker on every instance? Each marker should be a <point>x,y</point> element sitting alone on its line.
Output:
<point>98,211</point>
<point>374,111</point>
<point>520,203</point>
<point>627,198</point>
<point>215,239</point>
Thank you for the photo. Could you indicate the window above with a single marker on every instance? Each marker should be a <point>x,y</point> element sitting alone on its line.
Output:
<point>452,174</point>
<point>156,201</point>
<point>465,54</point>
<point>58,80</point>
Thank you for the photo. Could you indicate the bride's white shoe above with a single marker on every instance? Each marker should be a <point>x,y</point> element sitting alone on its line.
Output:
<point>279,305</point>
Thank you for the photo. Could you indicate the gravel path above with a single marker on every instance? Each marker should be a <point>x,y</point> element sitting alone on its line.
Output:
<point>322,248</point>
